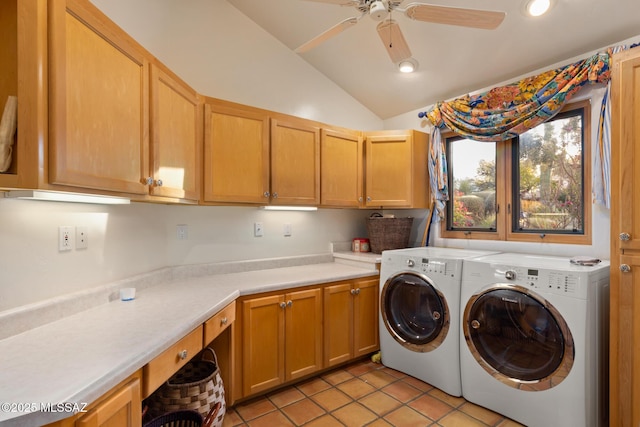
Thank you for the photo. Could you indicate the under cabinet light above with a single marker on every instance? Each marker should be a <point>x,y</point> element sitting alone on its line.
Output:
<point>55,196</point>
<point>289,208</point>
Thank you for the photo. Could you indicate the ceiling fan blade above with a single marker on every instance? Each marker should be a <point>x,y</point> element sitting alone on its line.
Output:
<point>484,19</point>
<point>331,32</point>
<point>393,40</point>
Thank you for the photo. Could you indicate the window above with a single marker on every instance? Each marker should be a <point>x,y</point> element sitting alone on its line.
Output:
<point>536,187</point>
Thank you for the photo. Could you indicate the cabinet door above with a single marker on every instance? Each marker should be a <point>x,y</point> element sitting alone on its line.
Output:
<point>263,336</point>
<point>176,137</point>
<point>295,163</point>
<point>365,316</point>
<point>624,360</point>
<point>303,333</point>
<point>99,102</point>
<point>236,154</point>
<point>338,324</point>
<point>388,170</point>
<point>341,158</point>
<point>122,409</point>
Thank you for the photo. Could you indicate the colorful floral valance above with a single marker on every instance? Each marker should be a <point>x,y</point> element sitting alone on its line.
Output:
<point>504,112</point>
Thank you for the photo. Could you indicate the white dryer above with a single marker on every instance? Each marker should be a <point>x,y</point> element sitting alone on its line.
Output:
<point>419,313</point>
<point>533,342</point>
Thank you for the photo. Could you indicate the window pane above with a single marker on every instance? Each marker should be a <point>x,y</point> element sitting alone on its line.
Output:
<point>472,178</point>
<point>550,177</point>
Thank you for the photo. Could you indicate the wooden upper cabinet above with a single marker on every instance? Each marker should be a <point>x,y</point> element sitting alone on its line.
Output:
<point>99,102</point>
<point>176,136</point>
<point>295,163</point>
<point>236,154</point>
<point>396,169</point>
<point>341,160</point>
<point>252,157</point>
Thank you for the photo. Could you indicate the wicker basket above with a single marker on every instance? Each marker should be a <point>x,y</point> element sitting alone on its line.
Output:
<point>196,386</point>
<point>186,418</point>
<point>388,233</point>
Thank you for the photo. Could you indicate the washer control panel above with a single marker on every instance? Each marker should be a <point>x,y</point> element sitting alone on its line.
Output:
<point>429,266</point>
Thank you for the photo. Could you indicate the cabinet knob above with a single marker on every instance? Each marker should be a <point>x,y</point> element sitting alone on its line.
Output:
<point>625,268</point>
<point>224,321</point>
<point>266,194</point>
<point>282,305</point>
<point>368,199</point>
<point>625,237</point>
<point>353,291</point>
<point>159,182</point>
<point>289,303</point>
<point>149,181</point>
<point>183,354</point>
<point>360,199</point>
<point>275,195</point>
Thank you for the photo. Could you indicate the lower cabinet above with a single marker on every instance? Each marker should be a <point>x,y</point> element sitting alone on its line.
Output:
<point>350,320</point>
<point>120,407</point>
<point>281,338</point>
<point>123,408</point>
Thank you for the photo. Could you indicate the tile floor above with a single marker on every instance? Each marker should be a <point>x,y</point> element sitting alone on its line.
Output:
<point>362,394</point>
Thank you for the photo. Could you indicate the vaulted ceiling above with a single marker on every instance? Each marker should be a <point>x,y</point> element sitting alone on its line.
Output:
<point>453,60</point>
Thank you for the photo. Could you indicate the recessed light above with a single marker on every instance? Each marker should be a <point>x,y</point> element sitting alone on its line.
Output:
<point>537,7</point>
<point>408,65</point>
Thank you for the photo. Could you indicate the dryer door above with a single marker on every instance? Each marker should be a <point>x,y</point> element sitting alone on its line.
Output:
<point>414,312</point>
<point>518,337</point>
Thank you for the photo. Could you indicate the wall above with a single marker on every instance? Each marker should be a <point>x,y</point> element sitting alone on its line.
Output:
<point>223,54</point>
<point>130,239</point>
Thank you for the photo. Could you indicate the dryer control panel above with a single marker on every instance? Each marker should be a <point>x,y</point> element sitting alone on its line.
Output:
<point>543,280</point>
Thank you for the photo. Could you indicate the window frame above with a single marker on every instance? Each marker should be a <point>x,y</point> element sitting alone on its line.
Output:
<point>505,197</point>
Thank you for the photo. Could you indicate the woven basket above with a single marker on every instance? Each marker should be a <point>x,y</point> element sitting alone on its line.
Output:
<point>177,418</point>
<point>388,233</point>
<point>196,386</point>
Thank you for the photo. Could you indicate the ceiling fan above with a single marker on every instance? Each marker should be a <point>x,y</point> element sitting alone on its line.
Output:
<point>389,30</point>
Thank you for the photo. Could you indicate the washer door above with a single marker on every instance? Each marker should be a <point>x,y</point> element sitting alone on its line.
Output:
<point>414,311</point>
<point>518,337</point>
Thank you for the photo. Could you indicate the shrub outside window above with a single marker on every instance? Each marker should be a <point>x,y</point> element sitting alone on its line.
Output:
<point>536,187</point>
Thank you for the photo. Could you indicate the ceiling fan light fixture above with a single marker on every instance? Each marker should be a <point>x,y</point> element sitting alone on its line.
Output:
<point>408,65</point>
<point>378,10</point>
<point>537,7</point>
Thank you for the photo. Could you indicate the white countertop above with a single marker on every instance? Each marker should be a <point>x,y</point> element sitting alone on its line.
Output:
<point>82,356</point>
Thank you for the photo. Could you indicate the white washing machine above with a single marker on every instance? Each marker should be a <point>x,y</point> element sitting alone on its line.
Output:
<point>419,313</point>
<point>534,338</point>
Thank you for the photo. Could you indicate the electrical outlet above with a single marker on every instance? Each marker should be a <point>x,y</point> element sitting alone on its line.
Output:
<point>257,229</point>
<point>287,230</point>
<point>182,231</point>
<point>82,238</point>
<point>64,238</point>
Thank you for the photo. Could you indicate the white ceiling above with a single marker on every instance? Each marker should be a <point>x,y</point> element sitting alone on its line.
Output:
<point>453,60</point>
